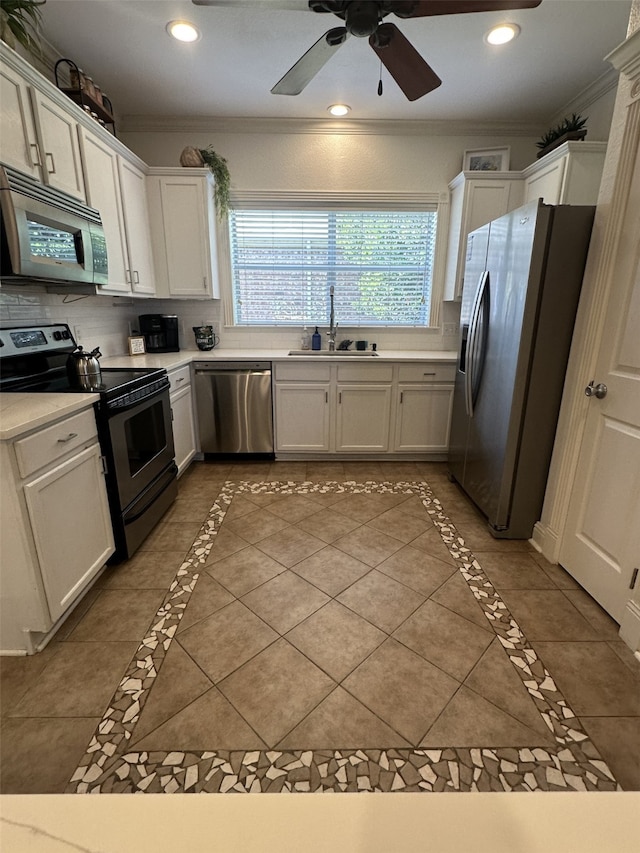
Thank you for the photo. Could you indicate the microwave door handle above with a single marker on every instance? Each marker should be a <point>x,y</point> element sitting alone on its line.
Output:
<point>472,346</point>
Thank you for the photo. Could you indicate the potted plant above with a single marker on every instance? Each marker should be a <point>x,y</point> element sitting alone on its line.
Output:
<point>569,129</point>
<point>217,165</point>
<point>19,21</point>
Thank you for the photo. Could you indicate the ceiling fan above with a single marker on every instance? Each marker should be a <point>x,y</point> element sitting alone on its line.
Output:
<point>364,19</point>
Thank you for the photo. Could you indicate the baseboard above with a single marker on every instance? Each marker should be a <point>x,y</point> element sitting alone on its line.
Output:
<point>630,626</point>
<point>545,540</point>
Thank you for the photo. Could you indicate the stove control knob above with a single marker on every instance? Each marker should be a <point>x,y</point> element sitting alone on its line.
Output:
<point>57,336</point>
<point>65,335</point>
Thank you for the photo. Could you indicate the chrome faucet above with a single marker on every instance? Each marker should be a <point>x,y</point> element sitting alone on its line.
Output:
<point>333,326</point>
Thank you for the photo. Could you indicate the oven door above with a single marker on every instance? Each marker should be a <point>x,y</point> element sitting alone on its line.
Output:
<point>141,439</point>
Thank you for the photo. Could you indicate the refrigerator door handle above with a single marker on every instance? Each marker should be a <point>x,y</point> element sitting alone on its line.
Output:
<point>472,376</point>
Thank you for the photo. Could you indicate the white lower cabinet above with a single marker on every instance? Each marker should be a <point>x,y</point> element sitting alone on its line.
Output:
<point>71,526</point>
<point>373,409</point>
<point>184,430</point>
<point>56,530</point>
<point>423,416</point>
<point>362,418</point>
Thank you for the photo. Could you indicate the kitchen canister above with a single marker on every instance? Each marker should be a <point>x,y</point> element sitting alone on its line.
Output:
<point>206,338</point>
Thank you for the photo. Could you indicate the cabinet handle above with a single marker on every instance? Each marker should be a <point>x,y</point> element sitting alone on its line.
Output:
<point>38,160</point>
<point>429,374</point>
<point>340,397</point>
<point>136,277</point>
<point>68,438</point>
<point>52,170</point>
<point>128,276</point>
<point>326,396</point>
<point>401,393</point>
<point>204,282</point>
<point>180,379</point>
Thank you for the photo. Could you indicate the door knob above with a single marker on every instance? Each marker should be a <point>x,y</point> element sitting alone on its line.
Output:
<point>599,390</point>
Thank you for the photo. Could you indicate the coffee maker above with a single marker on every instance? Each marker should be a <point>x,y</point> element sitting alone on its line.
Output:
<point>160,332</point>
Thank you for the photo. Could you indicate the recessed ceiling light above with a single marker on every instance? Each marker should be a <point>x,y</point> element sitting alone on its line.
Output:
<point>183,31</point>
<point>502,34</point>
<point>339,109</point>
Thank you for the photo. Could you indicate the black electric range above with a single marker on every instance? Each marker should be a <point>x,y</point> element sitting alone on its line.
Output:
<point>133,416</point>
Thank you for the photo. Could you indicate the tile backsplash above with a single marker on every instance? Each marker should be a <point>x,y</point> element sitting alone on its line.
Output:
<point>107,321</point>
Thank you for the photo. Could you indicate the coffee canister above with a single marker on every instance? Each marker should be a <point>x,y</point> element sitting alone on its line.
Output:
<point>206,338</point>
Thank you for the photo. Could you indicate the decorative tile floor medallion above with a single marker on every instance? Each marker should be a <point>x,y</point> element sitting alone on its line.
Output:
<point>111,766</point>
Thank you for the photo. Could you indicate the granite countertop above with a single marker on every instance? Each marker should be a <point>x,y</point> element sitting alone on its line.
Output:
<point>22,412</point>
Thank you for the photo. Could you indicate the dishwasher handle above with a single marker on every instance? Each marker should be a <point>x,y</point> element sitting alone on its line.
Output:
<point>232,367</point>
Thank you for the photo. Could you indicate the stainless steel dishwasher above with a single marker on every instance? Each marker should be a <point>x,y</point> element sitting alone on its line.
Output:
<point>235,411</point>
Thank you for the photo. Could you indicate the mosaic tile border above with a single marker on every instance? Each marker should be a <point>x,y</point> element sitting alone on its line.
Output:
<point>107,766</point>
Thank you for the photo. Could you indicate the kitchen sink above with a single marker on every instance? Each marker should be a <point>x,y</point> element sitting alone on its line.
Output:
<point>337,352</point>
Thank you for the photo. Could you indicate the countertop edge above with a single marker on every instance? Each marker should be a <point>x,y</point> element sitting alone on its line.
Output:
<point>21,412</point>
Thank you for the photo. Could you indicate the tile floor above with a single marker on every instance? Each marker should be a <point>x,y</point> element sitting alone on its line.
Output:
<point>325,626</point>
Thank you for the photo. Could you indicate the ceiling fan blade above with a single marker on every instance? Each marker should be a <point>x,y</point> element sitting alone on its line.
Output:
<point>292,5</point>
<point>422,8</point>
<point>412,74</point>
<point>310,63</point>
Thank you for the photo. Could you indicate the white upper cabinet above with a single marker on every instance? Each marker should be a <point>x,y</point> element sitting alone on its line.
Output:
<point>102,184</point>
<point>570,174</point>
<point>140,271</point>
<point>59,147</point>
<point>183,230</point>
<point>476,198</point>
<point>38,136</point>
<point>18,141</point>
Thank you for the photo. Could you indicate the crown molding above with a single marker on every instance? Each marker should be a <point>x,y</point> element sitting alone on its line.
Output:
<point>211,124</point>
<point>593,92</point>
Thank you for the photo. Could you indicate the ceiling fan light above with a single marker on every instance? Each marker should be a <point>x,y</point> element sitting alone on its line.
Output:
<point>183,31</point>
<point>502,34</point>
<point>339,109</point>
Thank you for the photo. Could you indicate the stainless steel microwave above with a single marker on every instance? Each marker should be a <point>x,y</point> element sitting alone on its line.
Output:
<point>48,236</point>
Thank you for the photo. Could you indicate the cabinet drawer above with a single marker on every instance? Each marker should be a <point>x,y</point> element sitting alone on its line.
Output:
<point>180,378</point>
<point>303,372</point>
<point>54,442</point>
<point>365,372</point>
<point>427,372</point>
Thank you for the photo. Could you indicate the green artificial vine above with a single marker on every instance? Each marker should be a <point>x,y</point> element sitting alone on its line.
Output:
<point>217,165</point>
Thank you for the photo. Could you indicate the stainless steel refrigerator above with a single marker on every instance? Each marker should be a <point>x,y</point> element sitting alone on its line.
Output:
<point>522,280</point>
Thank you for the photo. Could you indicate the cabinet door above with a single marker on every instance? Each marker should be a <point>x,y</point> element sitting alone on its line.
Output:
<point>188,219</point>
<point>302,417</point>
<point>59,146</point>
<point>423,418</point>
<point>103,192</point>
<point>362,418</point>
<point>18,141</point>
<point>138,232</point>
<point>547,183</point>
<point>184,433</point>
<point>71,525</point>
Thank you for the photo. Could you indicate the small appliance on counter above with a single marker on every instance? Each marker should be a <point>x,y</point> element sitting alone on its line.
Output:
<point>160,332</point>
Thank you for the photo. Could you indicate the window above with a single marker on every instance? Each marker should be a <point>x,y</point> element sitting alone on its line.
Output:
<point>284,261</point>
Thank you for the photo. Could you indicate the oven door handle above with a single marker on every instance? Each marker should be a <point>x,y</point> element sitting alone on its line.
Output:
<point>169,476</point>
<point>117,410</point>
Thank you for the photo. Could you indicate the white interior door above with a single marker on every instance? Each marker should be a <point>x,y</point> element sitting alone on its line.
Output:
<point>601,544</point>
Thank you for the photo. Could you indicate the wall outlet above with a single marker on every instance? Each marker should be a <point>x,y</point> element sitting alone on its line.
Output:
<point>450,328</point>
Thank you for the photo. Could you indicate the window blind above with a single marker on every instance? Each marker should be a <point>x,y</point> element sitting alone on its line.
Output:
<point>380,263</point>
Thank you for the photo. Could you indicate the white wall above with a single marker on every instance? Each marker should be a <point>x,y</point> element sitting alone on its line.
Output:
<point>354,157</point>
